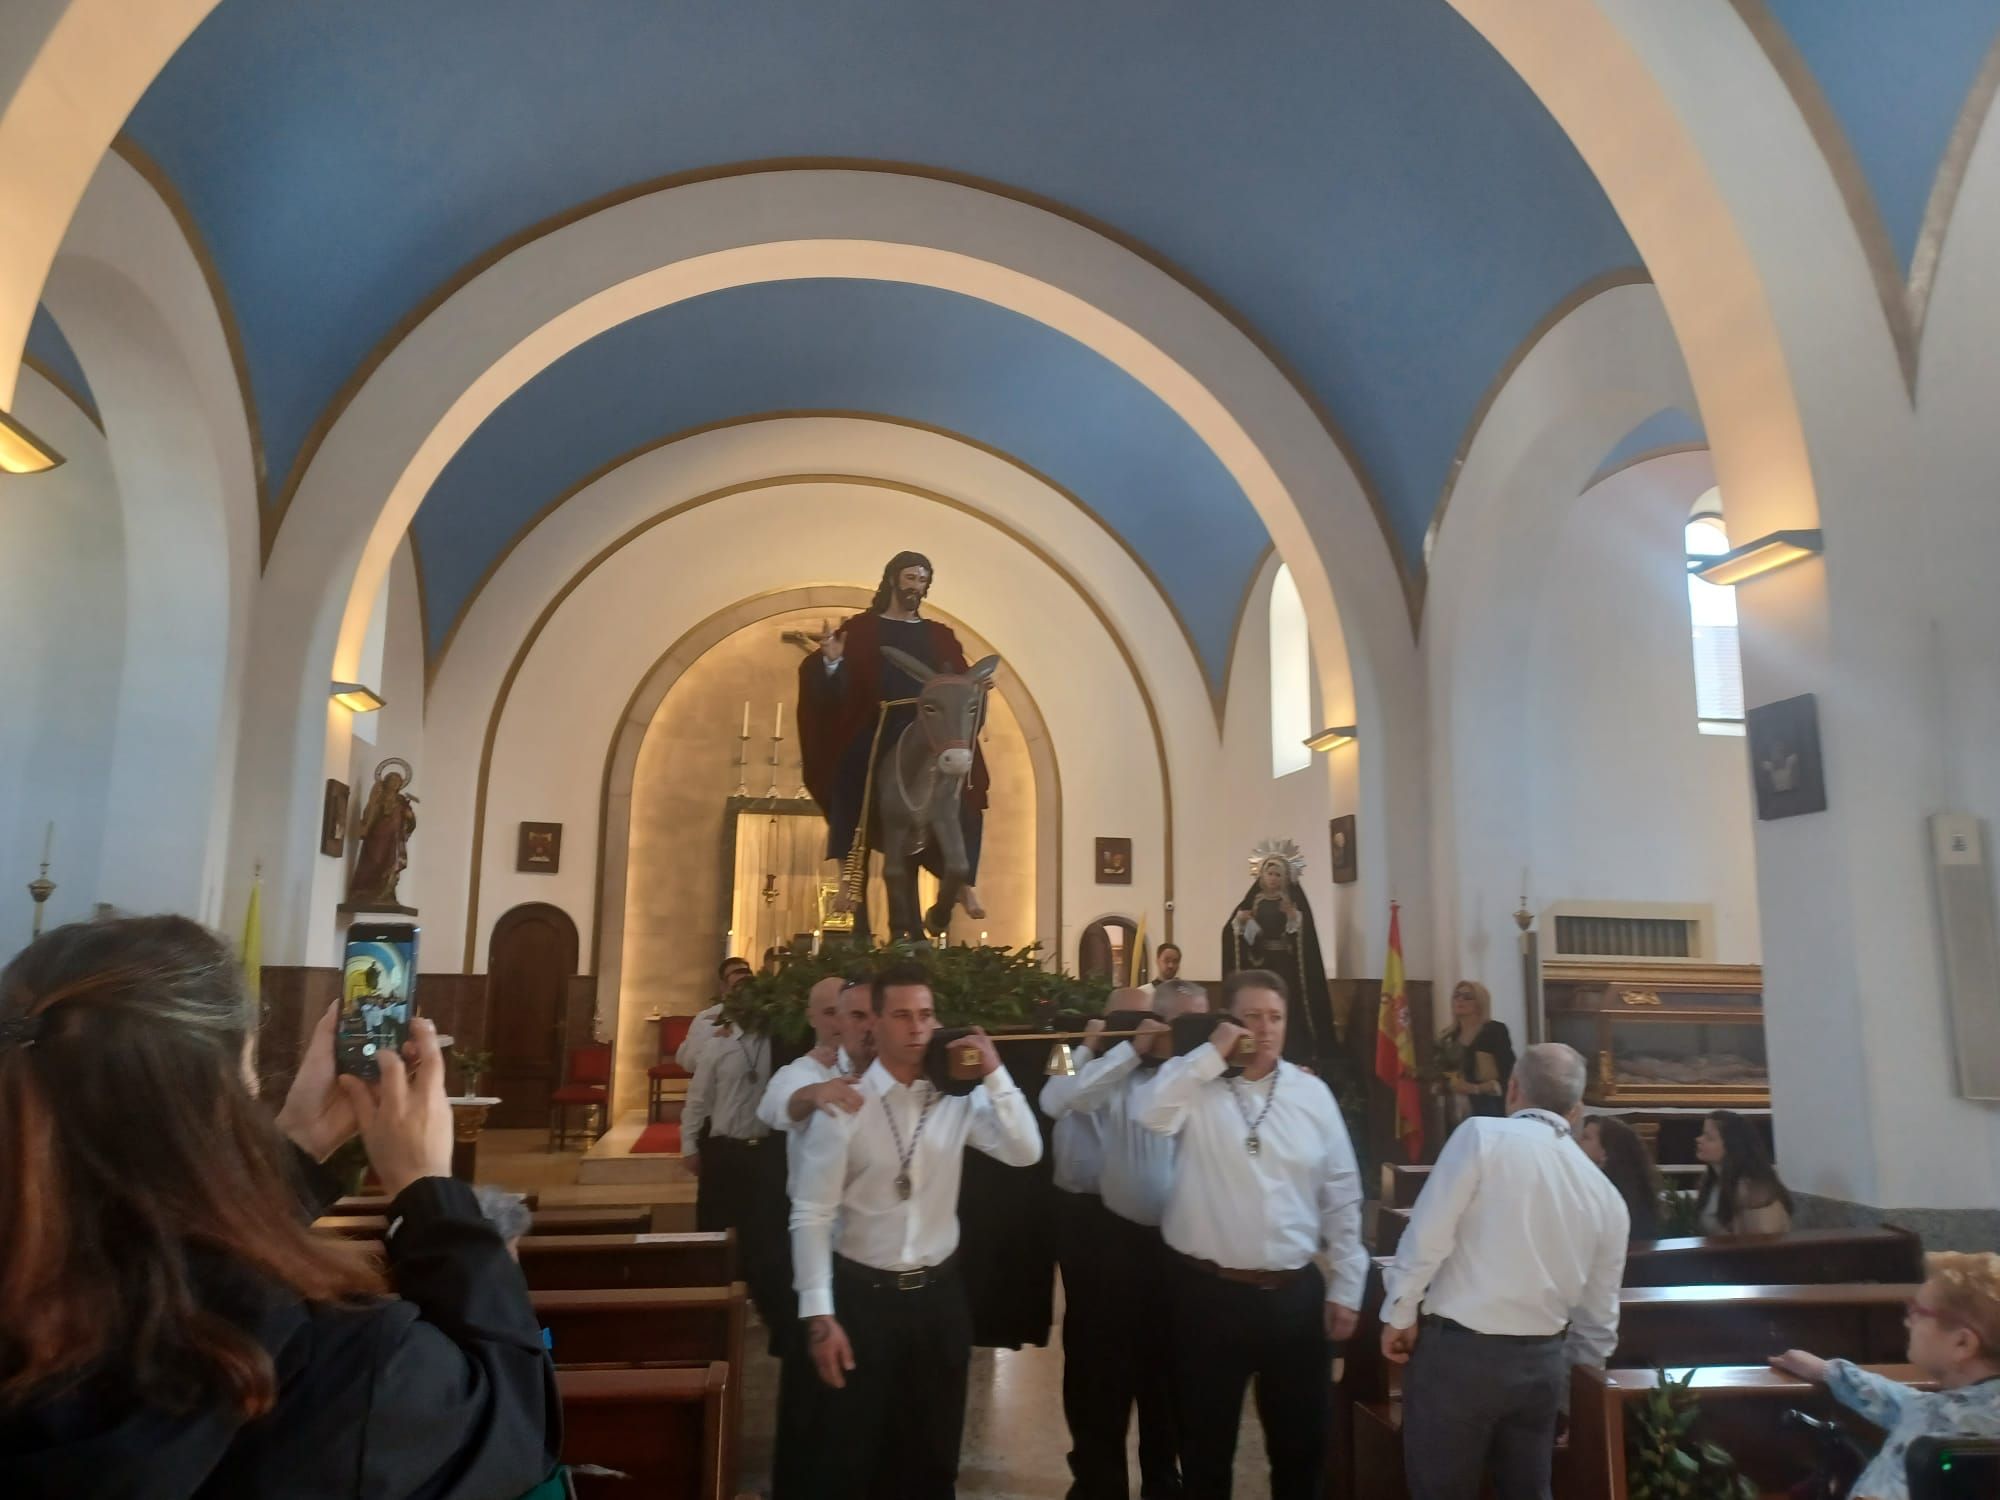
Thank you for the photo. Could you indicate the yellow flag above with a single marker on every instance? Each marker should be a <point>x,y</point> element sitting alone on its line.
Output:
<point>253,941</point>
<point>1138,955</point>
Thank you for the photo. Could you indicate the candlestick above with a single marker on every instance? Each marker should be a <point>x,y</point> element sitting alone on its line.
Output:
<point>41,889</point>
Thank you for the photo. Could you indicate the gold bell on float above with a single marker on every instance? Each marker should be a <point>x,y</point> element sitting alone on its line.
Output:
<point>1062,1061</point>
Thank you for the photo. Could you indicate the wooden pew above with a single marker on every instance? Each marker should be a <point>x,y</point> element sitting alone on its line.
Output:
<point>592,1261</point>
<point>665,1427</point>
<point>1739,1325</point>
<point>644,1325</point>
<point>1802,1257</point>
<point>1741,1408</point>
<point>547,1221</point>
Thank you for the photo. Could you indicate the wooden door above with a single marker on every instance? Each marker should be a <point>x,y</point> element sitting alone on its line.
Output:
<point>529,963</point>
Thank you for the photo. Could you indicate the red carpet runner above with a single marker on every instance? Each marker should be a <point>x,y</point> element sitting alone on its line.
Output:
<point>663,1139</point>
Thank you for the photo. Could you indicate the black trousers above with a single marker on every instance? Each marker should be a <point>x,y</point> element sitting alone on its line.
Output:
<point>742,1187</point>
<point>1476,1404</point>
<point>1225,1333</point>
<point>1116,1351</point>
<point>893,1431</point>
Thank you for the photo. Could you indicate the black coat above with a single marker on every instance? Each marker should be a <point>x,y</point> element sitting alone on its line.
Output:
<point>443,1391</point>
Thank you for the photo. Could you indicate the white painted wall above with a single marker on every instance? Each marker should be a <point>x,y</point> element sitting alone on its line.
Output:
<point>62,562</point>
<point>1628,800</point>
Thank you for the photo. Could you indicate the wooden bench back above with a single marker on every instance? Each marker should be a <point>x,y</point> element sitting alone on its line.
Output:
<point>1741,1409</point>
<point>1406,1181</point>
<point>378,1203</point>
<point>643,1326</point>
<point>547,1221</point>
<point>665,1428</point>
<point>1743,1325</point>
<point>1802,1257</point>
<point>590,1261</point>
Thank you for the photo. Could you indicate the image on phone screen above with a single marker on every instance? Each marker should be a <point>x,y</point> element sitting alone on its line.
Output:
<point>377,996</point>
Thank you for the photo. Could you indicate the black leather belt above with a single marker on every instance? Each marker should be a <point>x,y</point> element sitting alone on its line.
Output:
<point>1264,1281</point>
<point>897,1281</point>
<point>1432,1320</point>
<point>735,1140</point>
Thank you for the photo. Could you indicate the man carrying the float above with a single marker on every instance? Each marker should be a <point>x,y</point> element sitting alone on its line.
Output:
<point>852,700</point>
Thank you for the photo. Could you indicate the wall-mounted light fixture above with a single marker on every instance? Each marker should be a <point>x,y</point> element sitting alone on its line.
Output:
<point>21,452</point>
<point>1778,550</point>
<point>356,697</point>
<point>1331,739</point>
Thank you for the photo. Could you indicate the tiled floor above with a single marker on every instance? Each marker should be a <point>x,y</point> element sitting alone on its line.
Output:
<point>1015,1440</point>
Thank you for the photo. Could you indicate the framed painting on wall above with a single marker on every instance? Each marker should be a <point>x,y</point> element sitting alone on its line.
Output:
<point>1114,861</point>
<point>1785,765</point>
<point>1345,870</point>
<point>540,851</point>
<point>333,819</point>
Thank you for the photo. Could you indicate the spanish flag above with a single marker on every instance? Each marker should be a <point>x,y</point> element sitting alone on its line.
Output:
<point>1395,1047</point>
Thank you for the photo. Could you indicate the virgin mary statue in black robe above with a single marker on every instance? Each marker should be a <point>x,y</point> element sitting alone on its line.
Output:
<point>1272,928</point>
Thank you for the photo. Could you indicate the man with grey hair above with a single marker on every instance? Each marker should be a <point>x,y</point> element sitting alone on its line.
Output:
<point>1516,1244</point>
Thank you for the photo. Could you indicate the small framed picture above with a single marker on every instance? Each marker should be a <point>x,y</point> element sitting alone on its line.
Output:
<point>540,851</point>
<point>1114,861</point>
<point>1344,869</point>
<point>333,819</point>
<point>1785,764</point>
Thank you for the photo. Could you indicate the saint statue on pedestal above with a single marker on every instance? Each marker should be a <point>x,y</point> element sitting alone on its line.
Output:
<point>1273,929</point>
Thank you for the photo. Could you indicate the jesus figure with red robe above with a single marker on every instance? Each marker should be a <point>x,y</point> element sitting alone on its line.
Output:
<point>842,689</point>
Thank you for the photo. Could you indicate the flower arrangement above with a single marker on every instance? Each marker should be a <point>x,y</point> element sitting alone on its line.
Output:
<point>998,988</point>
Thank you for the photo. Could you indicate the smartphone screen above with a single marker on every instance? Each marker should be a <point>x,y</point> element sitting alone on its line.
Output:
<point>378,991</point>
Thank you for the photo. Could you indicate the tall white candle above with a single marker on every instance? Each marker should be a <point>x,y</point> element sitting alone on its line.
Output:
<point>48,842</point>
<point>778,731</point>
<point>746,718</point>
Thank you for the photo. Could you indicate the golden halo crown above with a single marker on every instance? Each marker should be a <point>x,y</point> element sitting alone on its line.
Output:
<point>1285,849</point>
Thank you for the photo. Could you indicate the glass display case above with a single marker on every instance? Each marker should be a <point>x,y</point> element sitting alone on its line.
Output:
<point>1674,1035</point>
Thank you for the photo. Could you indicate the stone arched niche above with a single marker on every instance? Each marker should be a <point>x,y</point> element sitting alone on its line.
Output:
<point>668,871</point>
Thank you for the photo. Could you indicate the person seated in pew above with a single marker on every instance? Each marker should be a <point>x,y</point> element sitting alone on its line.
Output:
<point>1618,1151</point>
<point>169,1323</point>
<point>1954,1323</point>
<point>1513,1255</point>
<point>1740,1192</point>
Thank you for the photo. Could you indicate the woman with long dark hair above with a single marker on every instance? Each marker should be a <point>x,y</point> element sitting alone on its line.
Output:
<point>1740,1192</point>
<point>170,1325</point>
<point>1617,1149</point>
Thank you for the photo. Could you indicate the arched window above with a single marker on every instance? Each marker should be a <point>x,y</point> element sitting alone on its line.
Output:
<point>1718,661</point>
<point>1291,677</point>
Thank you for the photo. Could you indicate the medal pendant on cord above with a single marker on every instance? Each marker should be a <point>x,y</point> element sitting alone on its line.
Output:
<point>903,1186</point>
<point>1252,1144</point>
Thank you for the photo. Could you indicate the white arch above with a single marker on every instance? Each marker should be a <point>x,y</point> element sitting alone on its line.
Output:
<point>70,72</point>
<point>574,678</point>
<point>132,299</point>
<point>564,542</point>
<point>1608,365</point>
<point>517,316</point>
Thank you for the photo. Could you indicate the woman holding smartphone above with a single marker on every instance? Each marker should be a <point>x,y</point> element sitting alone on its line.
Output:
<point>169,1324</point>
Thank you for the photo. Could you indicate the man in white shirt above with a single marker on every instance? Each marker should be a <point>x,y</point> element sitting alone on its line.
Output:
<point>708,1021</point>
<point>1131,1360</point>
<point>875,1243</point>
<point>822,1080</point>
<point>1265,1182</point>
<point>1516,1242</point>
<point>739,1166</point>
<point>1083,1252</point>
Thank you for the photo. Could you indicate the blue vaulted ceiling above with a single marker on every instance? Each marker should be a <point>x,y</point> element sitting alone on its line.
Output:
<point>1365,182</point>
<point>870,346</point>
<point>1897,77</point>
